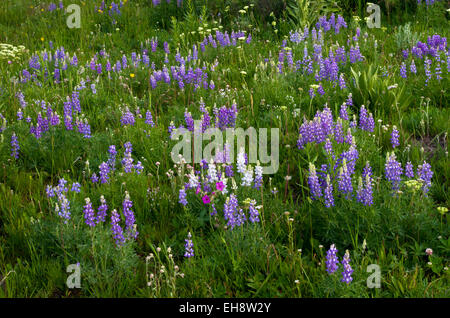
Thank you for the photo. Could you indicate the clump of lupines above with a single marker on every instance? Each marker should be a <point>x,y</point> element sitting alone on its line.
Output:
<point>62,206</point>
<point>339,173</point>
<point>212,183</point>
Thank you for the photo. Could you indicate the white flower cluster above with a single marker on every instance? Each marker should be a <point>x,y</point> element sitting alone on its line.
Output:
<point>11,52</point>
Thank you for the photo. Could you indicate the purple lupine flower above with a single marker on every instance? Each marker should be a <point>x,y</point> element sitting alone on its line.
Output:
<point>89,213</point>
<point>338,132</point>
<point>128,147</point>
<point>328,148</point>
<point>68,115</point>
<point>363,118</point>
<point>332,260</point>
<point>258,177</point>
<point>355,55</point>
<point>182,197</point>
<point>345,180</point>
<point>166,48</point>
<point>394,137</point>
<point>62,186</point>
<point>328,193</point>
<point>112,156</point>
<point>437,70</point>
<point>189,121</point>
<point>75,101</point>
<point>409,172</point>
<point>94,178</point>
<point>320,89</point>
<point>127,161</point>
<point>189,246</point>
<point>21,99</point>
<point>124,62</point>
<point>104,170</point>
<point>403,70</point>
<point>393,171</point>
<point>349,100</point>
<point>65,208</point>
<point>214,211</point>
<point>226,117</point>
<point>171,128</point>
<point>343,111</point>
<point>229,171</point>
<point>14,146</point>
<point>364,194</point>
<point>102,210</point>
<point>116,228</point>
<point>347,273</point>
<point>130,226</point>
<point>413,67</point>
<point>425,174</point>
<point>138,167</point>
<point>349,137</point>
<point>127,118</point>
<point>149,119</point>
<point>313,182</point>
<point>370,126</point>
<point>253,211</point>
<point>367,171</point>
<point>232,213</point>
<point>342,84</point>
<point>350,156</point>
<point>322,174</point>
<point>427,70</point>
<point>206,121</point>
<point>76,187</point>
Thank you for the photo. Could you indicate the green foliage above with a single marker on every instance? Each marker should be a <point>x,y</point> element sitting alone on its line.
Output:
<point>379,94</point>
<point>284,255</point>
<point>304,13</point>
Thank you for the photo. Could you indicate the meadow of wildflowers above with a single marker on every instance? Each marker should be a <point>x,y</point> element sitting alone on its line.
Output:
<point>87,123</point>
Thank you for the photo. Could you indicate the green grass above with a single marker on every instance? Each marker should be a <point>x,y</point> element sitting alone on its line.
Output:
<point>284,254</point>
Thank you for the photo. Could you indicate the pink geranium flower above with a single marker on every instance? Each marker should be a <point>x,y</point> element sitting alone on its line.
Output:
<point>206,199</point>
<point>220,186</point>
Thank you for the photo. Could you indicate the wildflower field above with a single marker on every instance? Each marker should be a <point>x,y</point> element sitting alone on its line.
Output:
<point>116,179</point>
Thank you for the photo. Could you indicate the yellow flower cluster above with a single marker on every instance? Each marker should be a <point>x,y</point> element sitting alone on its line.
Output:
<point>442,210</point>
<point>414,185</point>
